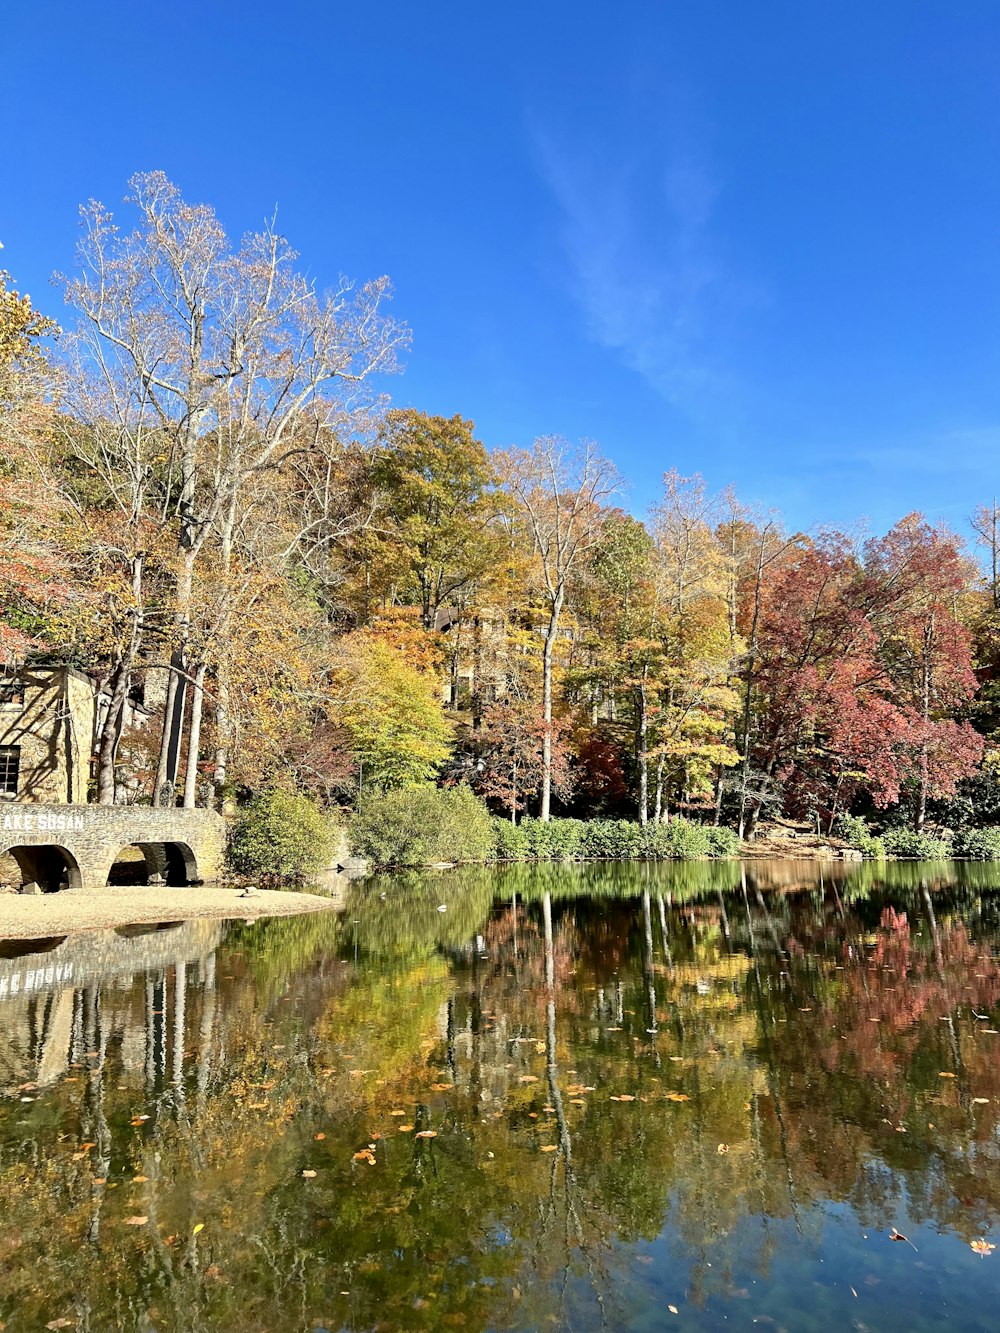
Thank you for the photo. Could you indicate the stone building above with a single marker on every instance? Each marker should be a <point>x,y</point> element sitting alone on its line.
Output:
<point>50,838</point>
<point>46,735</point>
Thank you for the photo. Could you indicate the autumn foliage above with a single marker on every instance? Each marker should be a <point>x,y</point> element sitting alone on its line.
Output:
<point>274,576</point>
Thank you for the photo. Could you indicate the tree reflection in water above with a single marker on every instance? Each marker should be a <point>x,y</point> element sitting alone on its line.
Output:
<point>580,1094</point>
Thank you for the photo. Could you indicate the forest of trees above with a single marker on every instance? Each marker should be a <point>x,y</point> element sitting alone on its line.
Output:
<point>212,508</point>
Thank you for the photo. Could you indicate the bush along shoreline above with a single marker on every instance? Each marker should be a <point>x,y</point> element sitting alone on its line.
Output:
<point>903,844</point>
<point>281,835</point>
<point>611,840</point>
<point>427,825</point>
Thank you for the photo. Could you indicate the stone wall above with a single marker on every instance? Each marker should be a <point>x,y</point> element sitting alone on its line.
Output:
<point>54,730</point>
<point>185,846</point>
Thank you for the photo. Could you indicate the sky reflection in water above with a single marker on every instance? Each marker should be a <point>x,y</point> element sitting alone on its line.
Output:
<point>576,1098</point>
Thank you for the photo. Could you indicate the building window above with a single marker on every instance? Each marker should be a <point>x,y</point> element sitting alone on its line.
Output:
<point>11,690</point>
<point>10,769</point>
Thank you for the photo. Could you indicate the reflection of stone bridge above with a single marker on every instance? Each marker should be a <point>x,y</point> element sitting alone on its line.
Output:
<point>75,846</point>
<point>28,967</point>
<point>65,999</point>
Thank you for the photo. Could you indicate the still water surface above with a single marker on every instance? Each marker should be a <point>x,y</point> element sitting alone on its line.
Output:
<point>623,1097</point>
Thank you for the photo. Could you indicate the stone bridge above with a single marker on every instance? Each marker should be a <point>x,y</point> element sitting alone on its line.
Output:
<point>75,846</point>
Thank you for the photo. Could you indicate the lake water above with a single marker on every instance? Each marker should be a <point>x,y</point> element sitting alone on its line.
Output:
<point>630,1097</point>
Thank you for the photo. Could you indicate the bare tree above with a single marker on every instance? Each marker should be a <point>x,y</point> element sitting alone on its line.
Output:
<point>986,522</point>
<point>559,491</point>
<point>232,357</point>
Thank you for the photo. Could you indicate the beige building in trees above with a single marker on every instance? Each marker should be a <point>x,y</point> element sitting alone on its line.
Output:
<point>46,735</point>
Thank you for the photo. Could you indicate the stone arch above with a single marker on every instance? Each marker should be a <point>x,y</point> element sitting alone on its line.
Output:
<point>12,949</point>
<point>154,863</point>
<point>48,866</point>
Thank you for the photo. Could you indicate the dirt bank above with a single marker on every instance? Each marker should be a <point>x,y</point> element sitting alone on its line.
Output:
<point>23,917</point>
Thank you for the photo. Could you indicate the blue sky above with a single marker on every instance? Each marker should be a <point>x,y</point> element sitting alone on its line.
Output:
<point>756,240</point>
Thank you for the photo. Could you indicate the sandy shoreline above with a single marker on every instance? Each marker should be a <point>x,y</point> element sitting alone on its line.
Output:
<point>64,913</point>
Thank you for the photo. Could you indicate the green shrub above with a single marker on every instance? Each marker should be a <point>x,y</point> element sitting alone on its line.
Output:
<point>416,825</point>
<point>510,842</point>
<point>921,846</point>
<point>722,841</point>
<point>609,840</point>
<point>612,840</point>
<point>978,844</point>
<point>681,840</point>
<point>281,835</point>
<point>855,832</point>
<point>555,840</point>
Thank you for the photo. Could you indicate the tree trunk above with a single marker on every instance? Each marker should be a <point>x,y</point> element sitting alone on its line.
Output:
<point>641,748</point>
<point>222,728</point>
<point>717,813</point>
<point>545,805</point>
<point>658,808</point>
<point>748,700</point>
<point>194,738</point>
<point>925,709</point>
<point>120,679</point>
<point>110,734</point>
<point>160,781</point>
<point>173,727</point>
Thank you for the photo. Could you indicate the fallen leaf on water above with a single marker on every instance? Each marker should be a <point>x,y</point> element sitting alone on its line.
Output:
<point>527,1078</point>
<point>136,1221</point>
<point>441,1087</point>
<point>139,1180</point>
<point>626,1097</point>
<point>854,1293</point>
<point>945,1074</point>
<point>308,1175</point>
<point>200,1226</point>
<point>60,1323</point>
<point>898,1235</point>
<point>981,1101</point>
<point>549,1147</point>
<point>365,1155</point>
<point>981,1246</point>
<point>722,1148</point>
<point>319,1137</point>
<point>678,1097</point>
<point>406,1129</point>
<point>672,1309</point>
<point>397,1113</point>
<point>426,1134</point>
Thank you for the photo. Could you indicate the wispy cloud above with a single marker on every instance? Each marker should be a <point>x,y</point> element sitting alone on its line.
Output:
<point>637,227</point>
